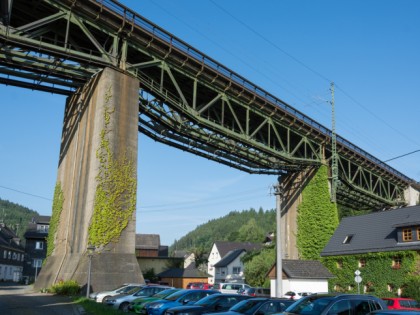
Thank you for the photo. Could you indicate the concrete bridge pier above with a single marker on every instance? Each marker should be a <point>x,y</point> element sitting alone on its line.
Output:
<point>103,115</point>
<point>292,186</point>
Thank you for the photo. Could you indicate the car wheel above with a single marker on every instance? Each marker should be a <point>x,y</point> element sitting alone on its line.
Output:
<point>124,307</point>
<point>105,298</point>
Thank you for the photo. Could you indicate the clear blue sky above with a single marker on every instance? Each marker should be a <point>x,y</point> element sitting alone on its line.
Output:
<point>293,49</point>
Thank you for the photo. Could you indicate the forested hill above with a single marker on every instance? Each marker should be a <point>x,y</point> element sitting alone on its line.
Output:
<point>16,216</point>
<point>244,226</point>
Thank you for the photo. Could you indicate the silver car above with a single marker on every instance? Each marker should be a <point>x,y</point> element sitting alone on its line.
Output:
<point>102,296</point>
<point>122,301</point>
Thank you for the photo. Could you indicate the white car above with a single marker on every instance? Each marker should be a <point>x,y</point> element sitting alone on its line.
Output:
<point>101,296</point>
<point>295,295</point>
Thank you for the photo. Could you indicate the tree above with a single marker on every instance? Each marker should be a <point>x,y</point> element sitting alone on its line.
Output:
<point>257,265</point>
<point>251,232</point>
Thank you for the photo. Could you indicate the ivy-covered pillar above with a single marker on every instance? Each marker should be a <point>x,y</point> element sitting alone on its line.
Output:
<point>95,196</point>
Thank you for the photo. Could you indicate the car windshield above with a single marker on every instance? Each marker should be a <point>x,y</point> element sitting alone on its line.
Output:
<point>310,306</point>
<point>164,293</point>
<point>208,300</point>
<point>176,295</point>
<point>246,307</point>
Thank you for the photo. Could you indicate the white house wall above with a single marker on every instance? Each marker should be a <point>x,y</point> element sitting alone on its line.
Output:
<point>300,285</point>
<point>214,257</point>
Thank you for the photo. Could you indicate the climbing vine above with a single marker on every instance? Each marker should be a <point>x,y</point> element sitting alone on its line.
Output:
<point>115,196</point>
<point>317,217</point>
<point>380,275</point>
<point>55,217</point>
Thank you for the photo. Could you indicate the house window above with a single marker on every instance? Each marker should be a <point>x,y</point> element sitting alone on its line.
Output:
<point>236,270</point>
<point>339,264</point>
<point>418,233</point>
<point>407,235</point>
<point>5,254</point>
<point>37,263</point>
<point>9,255</point>
<point>348,239</point>
<point>39,245</point>
<point>362,263</point>
<point>396,262</point>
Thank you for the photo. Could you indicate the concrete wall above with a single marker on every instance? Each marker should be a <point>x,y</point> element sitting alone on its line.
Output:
<point>78,167</point>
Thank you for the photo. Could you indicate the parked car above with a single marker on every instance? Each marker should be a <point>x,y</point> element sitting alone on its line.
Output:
<point>213,303</point>
<point>182,297</point>
<point>126,288</point>
<point>122,301</point>
<point>295,295</point>
<point>328,304</point>
<point>394,312</point>
<point>402,304</point>
<point>257,306</point>
<point>199,285</point>
<point>256,292</point>
<point>139,304</point>
<point>230,287</point>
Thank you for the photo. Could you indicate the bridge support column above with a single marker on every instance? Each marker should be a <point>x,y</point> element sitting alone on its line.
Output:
<point>105,108</point>
<point>292,185</point>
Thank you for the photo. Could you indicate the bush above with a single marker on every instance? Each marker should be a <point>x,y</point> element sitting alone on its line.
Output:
<point>69,287</point>
<point>412,289</point>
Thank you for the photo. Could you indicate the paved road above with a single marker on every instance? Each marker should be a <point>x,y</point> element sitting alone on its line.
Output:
<point>22,300</point>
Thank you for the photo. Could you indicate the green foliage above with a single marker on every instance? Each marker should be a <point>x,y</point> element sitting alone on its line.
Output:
<point>227,229</point>
<point>93,308</point>
<point>377,275</point>
<point>57,207</point>
<point>317,217</point>
<point>150,274</point>
<point>69,287</point>
<point>251,232</point>
<point>16,217</point>
<point>412,288</point>
<point>257,264</point>
<point>115,196</point>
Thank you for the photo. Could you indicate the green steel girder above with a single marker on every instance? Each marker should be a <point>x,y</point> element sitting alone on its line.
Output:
<point>189,100</point>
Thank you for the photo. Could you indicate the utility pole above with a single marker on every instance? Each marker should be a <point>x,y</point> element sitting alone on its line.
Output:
<point>278,192</point>
<point>334,157</point>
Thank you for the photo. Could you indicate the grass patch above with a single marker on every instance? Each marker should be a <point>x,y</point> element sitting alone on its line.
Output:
<point>94,308</point>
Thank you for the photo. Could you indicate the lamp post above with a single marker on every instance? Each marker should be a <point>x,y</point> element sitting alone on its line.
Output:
<point>278,191</point>
<point>90,251</point>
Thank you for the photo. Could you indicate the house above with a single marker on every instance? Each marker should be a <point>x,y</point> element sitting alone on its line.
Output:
<point>11,255</point>
<point>180,277</point>
<point>300,276</point>
<point>383,246</point>
<point>153,256</point>
<point>35,246</point>
<point>224,261</point>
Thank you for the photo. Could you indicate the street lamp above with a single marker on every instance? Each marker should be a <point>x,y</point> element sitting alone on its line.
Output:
<point>90,251</point>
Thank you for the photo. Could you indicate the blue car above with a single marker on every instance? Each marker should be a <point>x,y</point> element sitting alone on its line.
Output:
<point>183,297</point>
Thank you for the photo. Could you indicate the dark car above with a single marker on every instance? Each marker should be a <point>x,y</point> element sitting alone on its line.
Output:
<point>213,303</point>
<point>182,297</point>
<point>256,292</point>
<point>258,306</point>
<point>336,304</point>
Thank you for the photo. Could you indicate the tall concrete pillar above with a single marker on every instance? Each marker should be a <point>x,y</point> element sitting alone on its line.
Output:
<point>293,185</point>
<point>101,122</point>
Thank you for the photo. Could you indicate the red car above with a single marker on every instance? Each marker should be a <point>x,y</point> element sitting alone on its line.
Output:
<point>402,304</point>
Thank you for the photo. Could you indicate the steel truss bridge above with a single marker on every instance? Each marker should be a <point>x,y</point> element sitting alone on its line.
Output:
<point>186,99</point>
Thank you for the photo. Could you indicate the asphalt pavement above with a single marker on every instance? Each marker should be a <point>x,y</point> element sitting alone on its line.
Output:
<point>17,299</point>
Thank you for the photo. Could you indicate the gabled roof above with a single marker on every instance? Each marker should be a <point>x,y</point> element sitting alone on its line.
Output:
<point>182,273</point>
<point>229,257</point>
<point>301,269</point>
<point>9,239</point>
<point>374,232</point>
<point>305,269</point>
<point>147,241</point>
<point>225,247</point>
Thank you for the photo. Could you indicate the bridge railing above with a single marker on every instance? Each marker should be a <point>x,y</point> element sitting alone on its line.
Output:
<point>172,40</point>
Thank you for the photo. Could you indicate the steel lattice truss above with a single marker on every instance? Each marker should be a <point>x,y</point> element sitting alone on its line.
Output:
<point>186,99</point>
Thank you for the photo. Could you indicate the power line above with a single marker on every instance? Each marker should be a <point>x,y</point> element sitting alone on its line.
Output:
<point>25,193</point>
<point>400,156</point>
